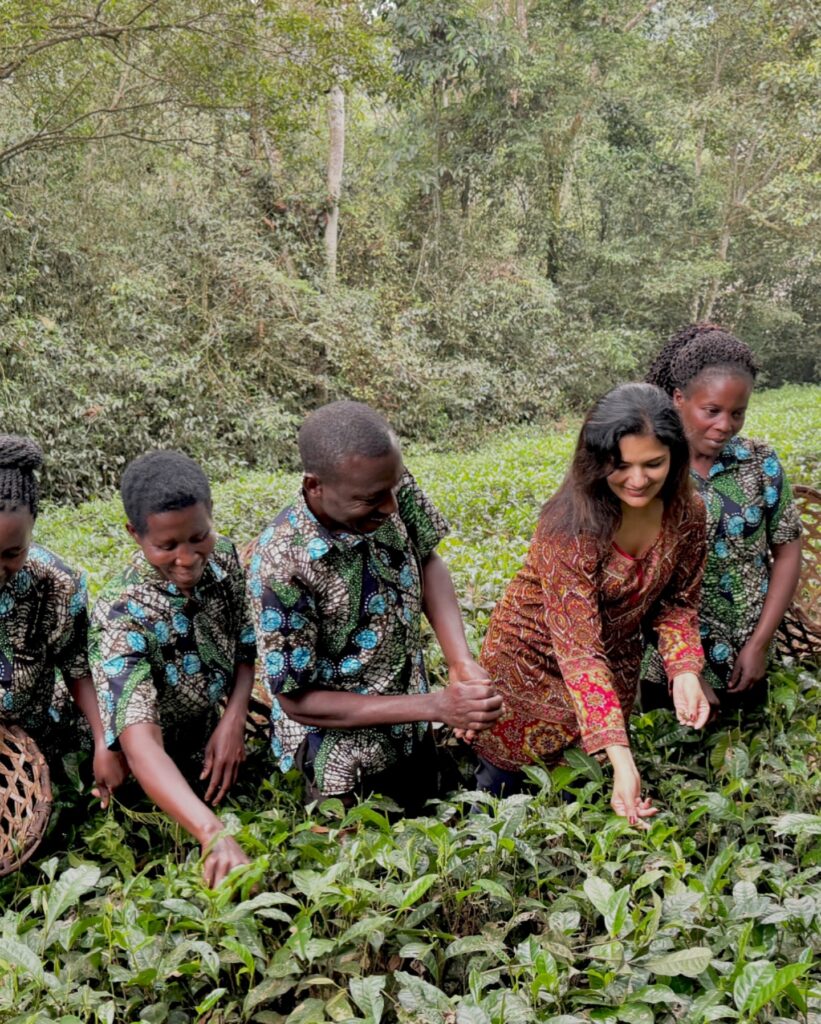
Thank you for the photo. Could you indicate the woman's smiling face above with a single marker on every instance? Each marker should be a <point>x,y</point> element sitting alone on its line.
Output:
<point>178,543</point>
<point>642,470</point>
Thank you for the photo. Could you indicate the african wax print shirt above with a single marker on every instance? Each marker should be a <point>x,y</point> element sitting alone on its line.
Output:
<point>43,631</point>
<point>749,509</point>
<point>162,657</point>
<point>564,645</point>
<point>342,611</point>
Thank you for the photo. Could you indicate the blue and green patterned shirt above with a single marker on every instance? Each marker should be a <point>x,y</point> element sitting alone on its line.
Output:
<point>749,510</point>
<point>162,657</point>
<point>343,611</point>
<point>43,647</point>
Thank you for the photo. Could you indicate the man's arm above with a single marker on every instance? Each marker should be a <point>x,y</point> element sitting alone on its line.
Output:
<point>473,706</point>
<point>440,605</point>
<point>165,784</point>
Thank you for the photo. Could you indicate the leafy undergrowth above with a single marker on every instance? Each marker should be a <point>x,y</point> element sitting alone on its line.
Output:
<point>543,907</point>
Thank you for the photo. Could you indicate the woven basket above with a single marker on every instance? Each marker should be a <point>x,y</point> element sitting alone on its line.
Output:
<point>25,797</point>
<point>799,635</point>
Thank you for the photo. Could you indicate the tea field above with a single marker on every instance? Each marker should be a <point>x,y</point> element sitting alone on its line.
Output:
<point>542,907</point>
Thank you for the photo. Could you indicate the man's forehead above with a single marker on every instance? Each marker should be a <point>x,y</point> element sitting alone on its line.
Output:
<point>358,472</point>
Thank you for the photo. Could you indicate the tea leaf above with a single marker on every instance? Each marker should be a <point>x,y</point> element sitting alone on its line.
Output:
<point>687,962</point>
<point>367,994</point>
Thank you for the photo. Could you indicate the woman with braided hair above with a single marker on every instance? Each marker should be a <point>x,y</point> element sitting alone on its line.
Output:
<point>44,629</point>
<point>753,527</point>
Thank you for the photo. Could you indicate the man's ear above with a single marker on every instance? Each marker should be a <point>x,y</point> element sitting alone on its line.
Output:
<point>311,484</point>
<point>132,532</point>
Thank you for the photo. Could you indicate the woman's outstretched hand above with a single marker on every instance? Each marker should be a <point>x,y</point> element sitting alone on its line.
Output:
<point>690,701</point>
<point>626,800</point>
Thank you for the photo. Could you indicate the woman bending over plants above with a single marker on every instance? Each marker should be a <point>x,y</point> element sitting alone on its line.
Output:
<point>44,629</point>
<point>170,637</point>
<point>753,527</point>
<point>619,550</point>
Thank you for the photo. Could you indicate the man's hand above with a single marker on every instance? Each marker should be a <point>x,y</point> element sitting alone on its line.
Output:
<point>110,771</point>
<point>469,707</point>
<point>224,753</point>
<point>626,800</point>
<point>750,668</point>
<point>221,855</point>
<point>690,700</point>
<point>467,671</point>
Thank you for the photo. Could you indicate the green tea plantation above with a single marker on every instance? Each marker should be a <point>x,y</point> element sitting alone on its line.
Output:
<point>543,907</point>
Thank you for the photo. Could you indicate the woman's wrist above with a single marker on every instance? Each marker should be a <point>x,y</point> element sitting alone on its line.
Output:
<point>620,756</point>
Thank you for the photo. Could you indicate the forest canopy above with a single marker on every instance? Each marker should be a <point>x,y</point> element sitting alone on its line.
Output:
<point>216,216</point>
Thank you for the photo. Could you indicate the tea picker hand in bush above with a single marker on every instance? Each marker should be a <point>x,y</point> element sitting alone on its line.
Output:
<point>170,637</point>
<point>753,526</point>
<point>619,549</point>
<point>44,629</point>
<point>338,584</point>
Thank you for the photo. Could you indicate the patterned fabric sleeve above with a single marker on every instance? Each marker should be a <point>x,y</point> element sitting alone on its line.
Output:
<point>425,524</point>
<point>780,511</point>
<point>569,572</point>
<point>121,668</point>
<point>246,637</point>
<point>676,621</point>
<point>286,626</point>
<point>71,642</point>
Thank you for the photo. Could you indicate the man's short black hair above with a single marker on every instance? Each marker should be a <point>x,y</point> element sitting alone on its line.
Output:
<point>160,482</point>
<point>338,430</point>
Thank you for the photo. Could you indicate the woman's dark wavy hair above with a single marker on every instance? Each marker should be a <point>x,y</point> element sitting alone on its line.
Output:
<point>700,349</point>
<point>584,504</point>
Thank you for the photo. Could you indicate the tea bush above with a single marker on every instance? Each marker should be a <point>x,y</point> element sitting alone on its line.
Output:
<point>543,907</point>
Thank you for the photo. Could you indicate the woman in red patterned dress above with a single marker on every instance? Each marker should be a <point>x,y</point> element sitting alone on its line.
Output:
<point>619,552</point>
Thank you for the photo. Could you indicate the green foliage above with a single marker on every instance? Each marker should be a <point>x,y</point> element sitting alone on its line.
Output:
<point>542,908</point>
<point>537,908</point>
<point>534,196</point>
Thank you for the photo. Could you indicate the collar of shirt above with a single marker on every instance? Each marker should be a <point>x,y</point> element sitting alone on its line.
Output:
<point>733,452</point>
<point>147,573</point>
<point>319,539</point>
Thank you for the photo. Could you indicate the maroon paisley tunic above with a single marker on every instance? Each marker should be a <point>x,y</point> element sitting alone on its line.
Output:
<point>564,644</point>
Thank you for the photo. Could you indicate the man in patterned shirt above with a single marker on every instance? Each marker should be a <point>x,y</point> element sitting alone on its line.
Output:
<point>170,637</point>
<point>338,584</point>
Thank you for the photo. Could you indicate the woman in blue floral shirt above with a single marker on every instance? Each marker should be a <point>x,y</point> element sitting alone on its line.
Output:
<point>44,629</point>
<point>754,546</point>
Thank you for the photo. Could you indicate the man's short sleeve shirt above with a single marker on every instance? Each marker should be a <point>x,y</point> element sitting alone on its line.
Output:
<point>342,611</point>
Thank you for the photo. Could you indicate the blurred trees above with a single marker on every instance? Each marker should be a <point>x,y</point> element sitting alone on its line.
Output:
<point>534,193</point>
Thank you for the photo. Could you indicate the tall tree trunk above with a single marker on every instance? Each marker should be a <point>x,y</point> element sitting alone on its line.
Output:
<point>520,16</point>
<point>336,159</point>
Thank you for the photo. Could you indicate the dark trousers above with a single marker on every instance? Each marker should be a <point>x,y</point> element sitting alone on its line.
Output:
<point>497,781</point>
<point>423,775</point>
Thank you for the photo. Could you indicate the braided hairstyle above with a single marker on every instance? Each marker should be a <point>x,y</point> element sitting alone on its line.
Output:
<point>161,482</point>
<point>19,457</point>
<point>698,349</point>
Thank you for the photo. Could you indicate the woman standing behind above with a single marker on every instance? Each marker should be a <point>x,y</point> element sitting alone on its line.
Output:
<point>753,527</point>
<point>618,549</point>
<point>44,629</point>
